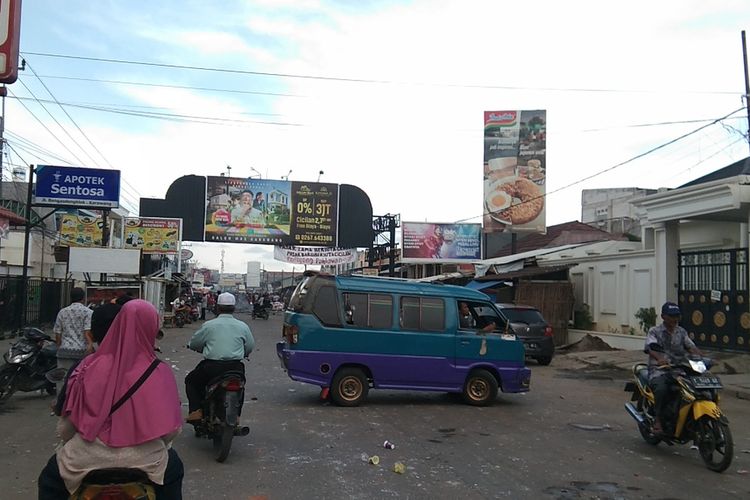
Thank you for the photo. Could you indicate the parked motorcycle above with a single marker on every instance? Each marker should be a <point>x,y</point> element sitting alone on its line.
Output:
<point>221,412</point>
<point>27,364</point>
<point>123,484</point>
<point>692,411</point>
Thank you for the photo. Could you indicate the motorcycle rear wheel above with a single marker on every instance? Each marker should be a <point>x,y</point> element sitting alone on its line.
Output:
<point>7,388</point>
<point>223,442</point>
<point>645,428</point>
<point>715,439</point>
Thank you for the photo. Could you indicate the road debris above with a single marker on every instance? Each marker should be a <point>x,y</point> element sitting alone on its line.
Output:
<point>586,427</point>
<point>374,460</point>
<point>399,468</point>
<point>388,445</point>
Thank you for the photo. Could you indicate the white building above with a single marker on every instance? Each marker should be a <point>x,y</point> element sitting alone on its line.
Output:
<point>611,209</point>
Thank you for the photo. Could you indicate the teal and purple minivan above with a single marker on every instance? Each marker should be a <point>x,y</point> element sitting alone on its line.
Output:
<point>347,334</point>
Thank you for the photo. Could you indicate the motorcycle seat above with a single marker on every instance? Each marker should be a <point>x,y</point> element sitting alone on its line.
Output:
<point>226,376</point>
<point>115,476</point>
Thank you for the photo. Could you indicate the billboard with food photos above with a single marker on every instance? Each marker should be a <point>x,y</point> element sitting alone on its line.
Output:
<point>80,230</point>
<point>515,171</point>
<point>429,242</point>
<point>152,234</point>
<point>271,212</point>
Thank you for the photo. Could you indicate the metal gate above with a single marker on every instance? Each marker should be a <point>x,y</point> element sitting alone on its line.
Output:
<point>713,295</point>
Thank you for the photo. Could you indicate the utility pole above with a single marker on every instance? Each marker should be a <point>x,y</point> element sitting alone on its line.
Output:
<point>747,85</point>
<point>3,93</point>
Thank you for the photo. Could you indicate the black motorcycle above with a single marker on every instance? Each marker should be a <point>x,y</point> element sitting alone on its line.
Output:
<point>28,363</point>
<point>221,412</point>
<point>260,312</point>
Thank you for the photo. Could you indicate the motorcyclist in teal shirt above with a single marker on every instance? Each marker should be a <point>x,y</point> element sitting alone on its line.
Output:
<point>224,342</point>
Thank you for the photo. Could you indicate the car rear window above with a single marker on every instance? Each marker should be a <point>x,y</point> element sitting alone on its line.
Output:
<point>528,316</point>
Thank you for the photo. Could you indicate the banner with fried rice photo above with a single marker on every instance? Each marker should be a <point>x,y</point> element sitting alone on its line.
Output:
<point>515,171</point>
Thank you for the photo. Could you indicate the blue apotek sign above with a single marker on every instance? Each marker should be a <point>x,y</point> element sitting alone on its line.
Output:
<point>79,187</point>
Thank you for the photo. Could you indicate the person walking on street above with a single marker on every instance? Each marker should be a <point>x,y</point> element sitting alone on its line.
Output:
<point>224,341</point>
<point>73,332</point>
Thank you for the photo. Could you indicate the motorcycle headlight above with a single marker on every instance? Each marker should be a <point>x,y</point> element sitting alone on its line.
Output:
<point>20,358</point>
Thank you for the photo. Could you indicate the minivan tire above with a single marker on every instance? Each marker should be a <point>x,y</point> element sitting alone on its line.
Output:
<point>544,360</point>
<point>480,388</point>
<point>349,387</point>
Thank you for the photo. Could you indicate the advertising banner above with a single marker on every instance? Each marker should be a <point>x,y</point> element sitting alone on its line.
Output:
<point>252,278</point>
<point>515,171</point>
<point>4,227</point>
<point>152,234</point>
<point>81,230</point>
<point>427,242</point>
<point>271,212</point>
<point>77,187</point>
<point>315,255</point>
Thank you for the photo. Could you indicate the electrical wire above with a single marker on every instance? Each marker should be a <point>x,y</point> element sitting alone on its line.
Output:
<point>80,130</point>
<point>172,86</point>
<point>353,80</point>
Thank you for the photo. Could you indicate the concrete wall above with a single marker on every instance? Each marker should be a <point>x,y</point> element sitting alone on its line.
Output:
<point>614,288</point>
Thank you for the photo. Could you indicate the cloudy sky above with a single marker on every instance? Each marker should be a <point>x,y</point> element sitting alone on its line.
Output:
<point>387,95</point>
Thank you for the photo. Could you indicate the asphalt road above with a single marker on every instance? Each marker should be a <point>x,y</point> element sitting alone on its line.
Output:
<point>569,438</point>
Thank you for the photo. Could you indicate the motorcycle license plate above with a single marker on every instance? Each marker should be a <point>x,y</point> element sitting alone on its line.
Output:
<point>706,382</point>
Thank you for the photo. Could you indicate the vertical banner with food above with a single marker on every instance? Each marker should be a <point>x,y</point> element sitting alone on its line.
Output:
<point>515,171</point>
<point>80,230</point>
<point>427,242</point>
<point>271,212</point>
<point>152,234</point>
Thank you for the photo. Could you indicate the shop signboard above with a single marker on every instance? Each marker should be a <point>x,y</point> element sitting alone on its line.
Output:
<point>81,230</point>
<point>272,212</point>
<point>153,235</point>
<point>515,171</point>
<point>76,187</point>
<point>10,32</point>
<point>429,242</point>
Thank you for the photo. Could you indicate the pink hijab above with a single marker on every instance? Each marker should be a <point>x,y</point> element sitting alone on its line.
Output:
<point>104,377</point>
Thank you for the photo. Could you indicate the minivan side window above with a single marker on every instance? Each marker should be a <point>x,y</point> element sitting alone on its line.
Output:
<point>422,313</point>
<point>326,306</point>
<point>365,310</point>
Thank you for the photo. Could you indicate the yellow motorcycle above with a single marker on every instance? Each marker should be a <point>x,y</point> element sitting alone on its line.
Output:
<point>691,412</point>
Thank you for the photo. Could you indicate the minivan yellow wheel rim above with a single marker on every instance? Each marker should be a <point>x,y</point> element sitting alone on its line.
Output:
<point>478,388</point>
<point>350,388</point>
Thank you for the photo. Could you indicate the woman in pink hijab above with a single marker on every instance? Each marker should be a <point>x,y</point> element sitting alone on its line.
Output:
<point>106,424</point>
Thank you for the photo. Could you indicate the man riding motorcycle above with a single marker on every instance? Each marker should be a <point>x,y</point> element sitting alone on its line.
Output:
<point>664,343</point>
<point>224,342</point>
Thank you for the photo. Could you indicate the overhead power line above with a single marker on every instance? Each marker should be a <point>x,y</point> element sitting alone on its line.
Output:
<point>80,130</point>
<point>357,80</point>
<point>172,86</point>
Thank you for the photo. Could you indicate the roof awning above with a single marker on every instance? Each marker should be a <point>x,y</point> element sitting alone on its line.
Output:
<point>482,285</point>
<point>12,217</point>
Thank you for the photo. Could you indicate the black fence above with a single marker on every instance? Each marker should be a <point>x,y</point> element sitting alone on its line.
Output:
<point>44,298</point>
<point>714,298</point>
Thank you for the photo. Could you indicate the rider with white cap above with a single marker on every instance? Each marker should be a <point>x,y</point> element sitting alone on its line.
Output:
<point>224,342</point>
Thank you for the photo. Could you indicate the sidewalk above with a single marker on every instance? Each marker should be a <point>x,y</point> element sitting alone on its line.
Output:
<point>733,368</point>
